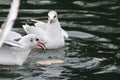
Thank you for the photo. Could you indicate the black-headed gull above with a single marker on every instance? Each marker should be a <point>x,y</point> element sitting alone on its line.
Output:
<point>51,33</point>
<point>16,53</point>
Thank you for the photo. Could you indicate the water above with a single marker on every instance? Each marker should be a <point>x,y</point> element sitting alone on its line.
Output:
<point>91,53</point>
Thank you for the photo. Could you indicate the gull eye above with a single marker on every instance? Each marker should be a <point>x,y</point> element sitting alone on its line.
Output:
<point>37,39</point>
<point>54,16</point>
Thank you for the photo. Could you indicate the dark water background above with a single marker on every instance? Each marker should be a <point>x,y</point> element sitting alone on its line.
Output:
<point>91,53</point>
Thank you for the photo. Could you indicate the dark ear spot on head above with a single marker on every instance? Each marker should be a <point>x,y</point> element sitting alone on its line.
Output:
<point>31,40</point>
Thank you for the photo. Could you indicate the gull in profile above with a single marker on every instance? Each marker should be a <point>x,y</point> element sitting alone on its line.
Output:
<point>51,33</point>
<point>16,52</point>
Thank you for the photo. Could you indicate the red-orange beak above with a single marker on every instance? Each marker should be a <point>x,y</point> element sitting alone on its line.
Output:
<point>41,45</point>
<point>51,21</point>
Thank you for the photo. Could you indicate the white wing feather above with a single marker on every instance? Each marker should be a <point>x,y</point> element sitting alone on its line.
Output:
<point>13,43</point>
<point>38,31</point>
<point>12,35</point>
<point>65,34</point>
<point>46,26</point>
<point>42,25</point>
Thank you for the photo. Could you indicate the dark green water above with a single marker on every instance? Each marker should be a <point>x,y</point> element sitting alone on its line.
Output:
<point>91,53</point>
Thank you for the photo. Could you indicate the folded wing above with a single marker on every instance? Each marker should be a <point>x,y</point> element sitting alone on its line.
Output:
<point>38,31</point>
<point>12,44</point>
<point>12,35</point>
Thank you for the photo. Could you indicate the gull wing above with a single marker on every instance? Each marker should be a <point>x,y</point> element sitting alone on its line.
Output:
<point>42,25</point>
<point>12,44</point>
<point>12,35</point>
<point>46,26</point>
<point>65,34</point>
<point>38,31</point>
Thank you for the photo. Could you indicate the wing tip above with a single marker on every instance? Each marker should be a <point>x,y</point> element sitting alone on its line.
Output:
<point>25,27</point>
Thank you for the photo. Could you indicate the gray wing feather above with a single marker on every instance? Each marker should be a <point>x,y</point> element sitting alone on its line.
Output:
<point>12,44</point>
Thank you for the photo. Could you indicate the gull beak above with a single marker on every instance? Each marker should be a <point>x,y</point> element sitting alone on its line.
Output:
<point>41,45</point>
<point>51,21</point>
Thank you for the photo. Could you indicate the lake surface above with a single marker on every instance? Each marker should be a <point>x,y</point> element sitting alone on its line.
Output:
<point>92,51</point>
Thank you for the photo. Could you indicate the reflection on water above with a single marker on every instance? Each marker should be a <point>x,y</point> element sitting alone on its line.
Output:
<point>91,53</point>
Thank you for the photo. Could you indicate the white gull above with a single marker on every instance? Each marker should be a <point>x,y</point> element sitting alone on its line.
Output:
<point>16,52</point>
<point>51,33</point>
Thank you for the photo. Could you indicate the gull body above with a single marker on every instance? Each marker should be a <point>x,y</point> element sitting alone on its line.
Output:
<point>16,53</point>
<point>51,33</point>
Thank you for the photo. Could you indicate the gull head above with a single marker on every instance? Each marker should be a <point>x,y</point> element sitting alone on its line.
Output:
<point>52,17</point>
<point>32,41</point>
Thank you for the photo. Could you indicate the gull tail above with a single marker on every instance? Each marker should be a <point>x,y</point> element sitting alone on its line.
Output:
<point>65,34</point>
<point>25,27</point>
